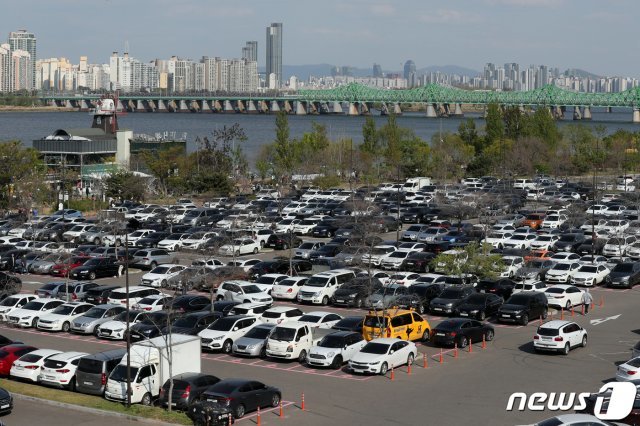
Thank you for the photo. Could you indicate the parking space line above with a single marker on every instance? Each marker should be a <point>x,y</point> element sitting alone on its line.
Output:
<point>269,410</point>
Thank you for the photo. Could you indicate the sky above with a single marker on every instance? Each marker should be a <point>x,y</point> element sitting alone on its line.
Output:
<point>594,35</point>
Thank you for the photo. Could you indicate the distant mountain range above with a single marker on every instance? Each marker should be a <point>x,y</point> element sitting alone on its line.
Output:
<point>319,70</point>
<point>580,73</point>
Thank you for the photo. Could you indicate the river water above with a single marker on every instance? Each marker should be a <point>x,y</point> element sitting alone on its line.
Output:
<point>260,129</point>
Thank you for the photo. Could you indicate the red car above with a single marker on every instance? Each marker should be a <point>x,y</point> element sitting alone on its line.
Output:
<point>10,353</point>
<point>63,269</point>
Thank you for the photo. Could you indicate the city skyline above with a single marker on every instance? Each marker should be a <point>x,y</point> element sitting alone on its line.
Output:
<point>468,33</point>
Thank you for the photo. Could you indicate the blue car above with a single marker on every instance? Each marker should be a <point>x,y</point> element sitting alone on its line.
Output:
<point>68,213</point>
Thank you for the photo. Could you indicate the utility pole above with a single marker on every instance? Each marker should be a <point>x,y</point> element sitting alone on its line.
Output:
<point>126,283</point>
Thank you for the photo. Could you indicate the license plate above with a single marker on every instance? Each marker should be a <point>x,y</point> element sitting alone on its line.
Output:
<point>546,338</point>
<point>504,316</point>
<point>19,367</point>
<point>482,291</point>
<point>88,383</point>
<point>464,314</point>
<point>49,377</point>
<point>439,334</point>
<point>4,406</point>
<point>339,301</point>
<point>437,309</point>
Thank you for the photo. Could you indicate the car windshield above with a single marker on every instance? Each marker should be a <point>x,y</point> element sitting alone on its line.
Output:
<point>556,290</point>
<point>476,299</point>
<point>251,289</point>
<point>94,313</point>
<point>562,267</point>
<point>623,267</point>
<point>518,300</point>
<point>31,358</point>
<point>287,283</point>
<point>33,306</point>
<point>331,341</point>
<point>63,310</point>
<point>283,333</point>
<point>451,294</point>
<point>156,318</point>
<point>223,324</point>
<point>317,282</point>
<point>310,318</point>
<point>399,254</point>
<point>148,301</point>
<point>160,270</point>
<point>376,322</point>
<point>589,269</point>
<point>258,333</point>
<point>122,316</point>
<point>306,246</point>
<point>92,262</point>
<point>119,374</point>
<point>544,331</point>
<point>535,264</point>
<point>9,301</point>
<point>187,322</point>
<point>375,348</point>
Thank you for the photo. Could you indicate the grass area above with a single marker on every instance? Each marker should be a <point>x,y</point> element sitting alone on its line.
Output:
<point>90,401</point>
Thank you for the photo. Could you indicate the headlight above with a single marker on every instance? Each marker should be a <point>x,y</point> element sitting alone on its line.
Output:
<point>475,311</point>
<point>55,321</point>
<point>317,293</point>
<point>331,354</point>
<point>251,347</point>
<point>84,272</point>
<point>449,305</point>
<point>374,363</point>
<point>218,338</point>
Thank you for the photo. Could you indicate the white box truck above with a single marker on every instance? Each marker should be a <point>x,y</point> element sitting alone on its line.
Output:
<point>414,184</point>
<point>150,367</point>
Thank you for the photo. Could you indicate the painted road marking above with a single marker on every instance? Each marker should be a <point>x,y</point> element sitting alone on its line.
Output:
<point>601,320</point>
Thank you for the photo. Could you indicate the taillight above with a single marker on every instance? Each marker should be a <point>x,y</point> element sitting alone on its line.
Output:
<point>186,392</point>
<point>289,290</point>
<point>74,296</point>
<point>103,379</point>
<point>453,334</point>
<point>631,372</point>
<point>536,337</point>
<point>147,308</point>
<point>31,367</point>
<point>63,371</point>
<point>558,339</point>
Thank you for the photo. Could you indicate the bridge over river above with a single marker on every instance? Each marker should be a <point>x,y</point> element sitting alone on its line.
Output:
<point>356,99</point>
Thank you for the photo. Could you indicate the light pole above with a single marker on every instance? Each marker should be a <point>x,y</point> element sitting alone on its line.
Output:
<point>126,284</point>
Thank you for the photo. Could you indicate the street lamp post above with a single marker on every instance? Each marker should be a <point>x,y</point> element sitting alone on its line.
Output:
<point>126,283</point>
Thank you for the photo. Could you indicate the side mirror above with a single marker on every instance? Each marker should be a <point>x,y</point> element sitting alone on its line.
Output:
<point>139,380</point>
<point>345,346</point>
<point>391,352</point>
<point>235,328</point>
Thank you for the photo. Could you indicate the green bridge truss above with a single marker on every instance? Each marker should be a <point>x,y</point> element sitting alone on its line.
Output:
<point>548,95</point>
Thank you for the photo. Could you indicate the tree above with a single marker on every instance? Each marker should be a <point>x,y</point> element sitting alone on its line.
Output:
<point>544,126</point>
<point>370,137</point>
<point>22,176</point>
<point>283,148</point>
<point>449,156</point>
<point>516,123</point>
<point>494,127</point>
<point>162,166</point>
<point>468,133</point>
<point>471,259</point>
<point>126,185</point>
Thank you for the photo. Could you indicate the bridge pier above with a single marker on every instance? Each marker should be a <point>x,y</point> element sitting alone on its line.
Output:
<point>353,109</point>
<point>301,108</point>
<point>251,107</point>
<point>396,109</point>
<point>337,108</point>
<point>636,115</point>
<point>275,107</point>
<point>609,110</point>
<point>577,114</point>
<point>323,108</point>
<point>586,113</point>
<point>84,105</point>
<point>431,111</point>
<point>288,107</point>
<point>458,111</point>
<point>228,107</point>
<point>240,106</point>
<point>365,109</point>
<point>443,110</point>
<point>194,106</point>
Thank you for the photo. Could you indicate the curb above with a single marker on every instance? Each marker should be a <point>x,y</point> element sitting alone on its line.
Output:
<point>91,410</point>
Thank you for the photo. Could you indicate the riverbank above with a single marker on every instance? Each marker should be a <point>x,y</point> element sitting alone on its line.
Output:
<point>13,108</point>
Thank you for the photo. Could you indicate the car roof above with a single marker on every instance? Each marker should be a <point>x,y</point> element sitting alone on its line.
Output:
<point>386,340</point>
<point>280,308</point>
<point>556,324</point>
<point>107,355</point>
<point>66,356</point>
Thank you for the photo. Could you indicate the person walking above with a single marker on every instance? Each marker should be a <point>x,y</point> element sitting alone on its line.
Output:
<point>587,299</point>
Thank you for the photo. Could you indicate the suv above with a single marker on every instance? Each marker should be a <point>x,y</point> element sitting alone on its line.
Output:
<point>355,291</point>
<point>448,301</point>
<point>523,306</point>
<point>150,258</point>
<point>559,336</point>
<point>396,323</point>
<point>93,370</point>
<point>99,295</point>
<point>321,287</point>
<point>75,291</point>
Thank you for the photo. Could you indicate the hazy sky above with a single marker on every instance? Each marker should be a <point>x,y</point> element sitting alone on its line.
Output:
<point>594,35</point>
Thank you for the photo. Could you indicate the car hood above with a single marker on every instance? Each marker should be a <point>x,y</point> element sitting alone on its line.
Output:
<point>113,325</point>
<point>211,334</point>
<point>512,307</point>
<point>525,271</point>
<point>365,357</point>
<point>149,276</point>
<point>470,307</point>
<point>620,275</point>
<point>324,351</point>
<point>83,268</point>
<point>444,301</point>
<point>87,320</point>
<point>345,293</point>
<point>54,317</point>
<point>249,341</point>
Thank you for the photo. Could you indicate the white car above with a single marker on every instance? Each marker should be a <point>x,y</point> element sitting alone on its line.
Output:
<point>590,275</point>
<point>563,296</point>
<point>380,355</point>
<point>243,292</point>
<point>115,328</point>
<point>208,263</point>
<point>377,253</point>
<point>133,237</point>
<point>560,336</point>
<point>519,240</point>
<point>593,260</point>
<point>279,314</point>
<point>28,315</point>
<point>245,264</point>
<point>221,334</point>
<point>160,275</point>
<point>613,227</point>
<point>405,279</point>
<point>497,240</point>
<point>511,265</point>
<point>335,349</point>
<point>28,366</point>
<point>288,288</point>
<point>173,242</point>
<point>196,240</point>
<point>239,247</point>
<point>629,371</point>
<point>431,234</point>
<point>503,228</point>
<point>544,241</point>
<point>60,318</point>
<point>565,257</point>
<point>394,259</point>
<point>320,319</point>
<point>305,226</point>
<point>249,309</point>
<point>561,272</point>
<point>267,281</point>
<point>153,303</point>
<point>554,221</point>
<point>286,225</point>
<point>11,303</point>
<point>60,370</point>
<point>633,251</point>
<point>529,286</point>
<point>618,246</point>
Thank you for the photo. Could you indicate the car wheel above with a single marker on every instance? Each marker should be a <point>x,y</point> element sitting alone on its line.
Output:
<point>482,315</point>
<point>263,352</point>
<point>426,335</point>
<point>163,283</point>
<point>488,335</point>
<point>240,410</point>
<point>275,400</point>
<point>65,327</point>
<point>566,349</point>
<point>420,309</point>
<point>96,241</point>
<point>410,359</point>
<point>525,319</point>
<point>463,342</point>
<point>146,399</point>
<point>227,346</point>
<point>153,264</point>
<point>302,357</point>
<point>329,234</point>
<point>34,322</point>
<point>358,303</point>
<point>584,341</point>
<point>384,368</point>
<point>255,250</point>
<point>325,301</point>
<point>237,253</point>
<point>337,362</point>
<point>92,275</point>
<point>567,307</point>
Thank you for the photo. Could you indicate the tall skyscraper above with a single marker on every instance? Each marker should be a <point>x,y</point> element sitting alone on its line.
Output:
<point>410,73</point>
<point>274,54</point>
<point>5,67</point>
<point>250,51</point>
<point>23,40</point>
<point>377,70</point>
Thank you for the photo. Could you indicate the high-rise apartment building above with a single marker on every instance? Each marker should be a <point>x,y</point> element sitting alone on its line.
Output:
<point>5,67</point>
<point>23,40</point>
<point>377,71</point>
<point>410,73</point>
<point>250,51</point>
<point>274,55</point>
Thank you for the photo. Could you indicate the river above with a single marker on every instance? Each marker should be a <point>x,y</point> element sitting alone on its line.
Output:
<point>260,129</point>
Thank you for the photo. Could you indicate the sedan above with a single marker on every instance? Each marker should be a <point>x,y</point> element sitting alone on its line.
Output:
<point>564,296</point>
<point>60,318</point>
<point>591,275</point>
<point>115,328</point>
<point>28,366</point>
<point>629,371</point>
<point>11,303</point>
<point>221,334</point>
<point>242,396</point>
<point>320,319</point>
<point>480,306</point>
<point>379,355</point>
<point>254,342</point>
<point>288,288</point>
<point>90,321</point>
<point>10,353</point>
<point>28,315</point>
<point>160,275</point>
<point>60,370</point>
<point>461,332</point>
<point>240,247</point>
<point>187,388</point>
<point>98,267</point>
<point>562,272</point>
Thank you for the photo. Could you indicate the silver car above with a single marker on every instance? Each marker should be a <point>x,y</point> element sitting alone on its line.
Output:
<point>89,322</point>
<point>46,264</point>
<point>150,258</point>
<point>253,344</point>
<point>304,250</point>
<point>386,296</point>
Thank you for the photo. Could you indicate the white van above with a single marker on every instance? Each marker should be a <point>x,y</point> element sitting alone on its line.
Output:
<point>524,184</point>
<point>319,288</point>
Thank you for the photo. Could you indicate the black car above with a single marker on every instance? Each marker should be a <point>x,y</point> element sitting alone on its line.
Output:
<point>223,306</point>
<point>502,287</point>
<point>448,301</point>
<point>151,325</point>
<point>420,296</point>
<point>96,268</point>
<point>415,215</point>
<point>9,285</point>
<point>324,229</point>
<point>523,306</point>
<point>6,401</point>
<point>480,306</point>
<point>152,240</point>
<point>326,251</point>
<point>355,292</point>
<point>568,242</point>
<point>283,241</point>
<point>187,388</point>
<point>349,324</point>
<point>461,332</point>
<point>418,262</point>
<point>193,322</point>
<point>591,246</point>
<point>242,395</point>
<point>269,267</point>
<point>209,413</point>
<point>626,274</point>
<point>99,295</point>
<point>189,303</point>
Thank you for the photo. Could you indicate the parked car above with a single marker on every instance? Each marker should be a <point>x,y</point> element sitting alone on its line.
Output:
<point>523,306</point>
<point>93,370</point>
<point>461,332</point>
<point>10,353</point>
<point>60,370</point>
<point>187,388</point>
<point>480,306</point>
<point>28,366</point>
<point>253,343</point>
<point>560,336</point>
<point>449,300</point>
<point>243,396</point>
<point>335,349</point>
<point>379,355</point>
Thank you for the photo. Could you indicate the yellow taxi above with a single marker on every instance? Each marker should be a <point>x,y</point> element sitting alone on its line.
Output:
<point>401,323</point>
